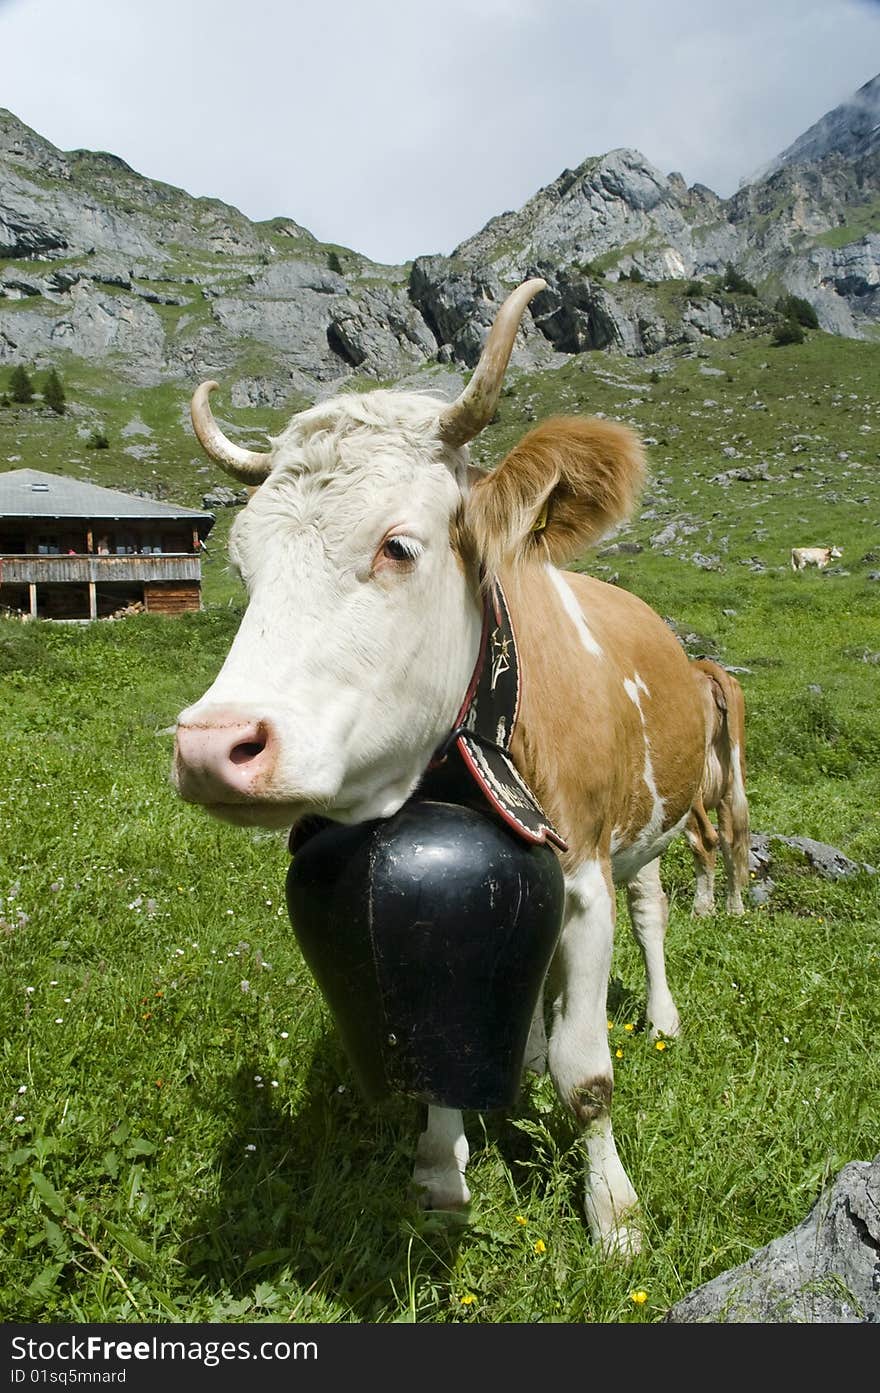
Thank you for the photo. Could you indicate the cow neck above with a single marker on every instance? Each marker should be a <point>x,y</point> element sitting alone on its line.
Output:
<point>485,724</point>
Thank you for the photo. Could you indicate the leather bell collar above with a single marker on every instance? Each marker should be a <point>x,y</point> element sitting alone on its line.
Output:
<point>484,727</point>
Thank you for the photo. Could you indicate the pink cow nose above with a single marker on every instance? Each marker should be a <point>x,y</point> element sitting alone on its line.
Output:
<point>224,759</point>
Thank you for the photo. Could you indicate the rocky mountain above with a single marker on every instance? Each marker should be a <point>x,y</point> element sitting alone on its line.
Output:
<point>851,129</point>
<point>98,262</point>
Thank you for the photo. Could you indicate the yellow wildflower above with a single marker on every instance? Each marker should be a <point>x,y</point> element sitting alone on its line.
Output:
<point>639,1297</point>
<point>540,1246</point>
<point>618,1054</point>
<point>468,1299</point>
<point>521,1219</point>
<point>660,1045</point>
<point>629,1026</point>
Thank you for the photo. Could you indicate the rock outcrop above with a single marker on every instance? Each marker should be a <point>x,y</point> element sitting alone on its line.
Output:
<point>827,1270</point>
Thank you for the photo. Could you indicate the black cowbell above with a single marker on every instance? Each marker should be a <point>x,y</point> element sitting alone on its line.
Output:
<point>429,934</point>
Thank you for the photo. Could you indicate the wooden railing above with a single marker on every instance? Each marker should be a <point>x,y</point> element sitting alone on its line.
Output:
<point>81,569</point>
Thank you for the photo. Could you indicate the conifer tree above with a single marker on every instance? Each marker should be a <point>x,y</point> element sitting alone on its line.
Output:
<point>20,386</point>
<point>53,393</point>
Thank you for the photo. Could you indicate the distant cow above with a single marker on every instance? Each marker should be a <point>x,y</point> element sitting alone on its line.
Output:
<point>368,551</point>
<point>723,790</point>
<point>802,557</point>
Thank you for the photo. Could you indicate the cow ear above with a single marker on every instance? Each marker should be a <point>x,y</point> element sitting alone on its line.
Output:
<point>557,492</point>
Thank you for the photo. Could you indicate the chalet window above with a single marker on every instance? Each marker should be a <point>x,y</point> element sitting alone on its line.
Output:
<point>125,544</point>
<point>47,545</point>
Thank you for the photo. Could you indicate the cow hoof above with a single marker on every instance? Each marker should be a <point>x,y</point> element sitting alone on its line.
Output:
<point>621,1244</point>
<point>664,1022</point>
<point>703,911</point>
<point>449,1199</point>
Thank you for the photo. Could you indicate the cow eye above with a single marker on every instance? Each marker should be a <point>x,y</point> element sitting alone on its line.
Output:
<point>401,549</point>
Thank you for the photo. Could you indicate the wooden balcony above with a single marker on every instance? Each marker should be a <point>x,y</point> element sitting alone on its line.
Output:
<point>84,569</point>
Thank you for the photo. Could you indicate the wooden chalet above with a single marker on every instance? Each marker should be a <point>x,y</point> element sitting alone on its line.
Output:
<point>74,550</point>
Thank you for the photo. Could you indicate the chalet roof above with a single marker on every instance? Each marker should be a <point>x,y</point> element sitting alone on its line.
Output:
<point>28,493</point>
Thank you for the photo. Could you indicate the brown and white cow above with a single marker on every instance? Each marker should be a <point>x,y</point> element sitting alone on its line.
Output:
<point>802,557</point>
<point>362,552</point>
<point>723,791</point>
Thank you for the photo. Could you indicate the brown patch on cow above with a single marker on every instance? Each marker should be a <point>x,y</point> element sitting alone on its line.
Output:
<point>700,826</point>
<point>462,542</point>
<point>579,740</point>
<point>722,788</point>
<point>590,1099</point>
<point>584,472</point>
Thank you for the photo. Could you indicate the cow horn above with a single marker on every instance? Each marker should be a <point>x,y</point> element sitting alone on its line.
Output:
<point>249,466</point>
<point>474,409</point>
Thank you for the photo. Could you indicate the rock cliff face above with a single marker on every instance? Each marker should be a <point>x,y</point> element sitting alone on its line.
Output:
<point>102,263</point>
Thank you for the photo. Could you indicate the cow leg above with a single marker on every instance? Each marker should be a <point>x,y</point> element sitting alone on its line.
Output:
<point>703,842</point>
<point>579,1056</point>
<point>733,830</point>
<point>649,914</point>
<point>441,1160</point>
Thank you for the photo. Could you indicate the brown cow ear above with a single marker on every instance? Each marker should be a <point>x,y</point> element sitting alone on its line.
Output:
<point>556,493</point>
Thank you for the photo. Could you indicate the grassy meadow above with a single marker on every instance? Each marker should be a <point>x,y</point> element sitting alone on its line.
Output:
<point>182,1140</point>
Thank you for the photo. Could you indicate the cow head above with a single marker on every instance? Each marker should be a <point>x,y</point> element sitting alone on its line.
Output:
<point>363,617</point>
<point>362,552</point>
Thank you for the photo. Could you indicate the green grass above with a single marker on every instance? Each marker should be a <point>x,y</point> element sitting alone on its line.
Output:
<point>862,220</point>
<point>189,1144</point>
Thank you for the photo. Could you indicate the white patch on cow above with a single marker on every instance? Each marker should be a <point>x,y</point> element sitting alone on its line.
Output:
<point>356,669</point>
<point>649,915</point>
<point>579,1054</point>
<point>739,791</point>
<point>573,610</point>
<point>628,858</point>
<point>647,835</point>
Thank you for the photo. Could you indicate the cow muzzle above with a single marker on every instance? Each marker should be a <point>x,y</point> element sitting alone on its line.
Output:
<point>225,758</point>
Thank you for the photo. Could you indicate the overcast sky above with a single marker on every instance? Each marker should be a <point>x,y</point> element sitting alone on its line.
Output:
<point>399,127</point>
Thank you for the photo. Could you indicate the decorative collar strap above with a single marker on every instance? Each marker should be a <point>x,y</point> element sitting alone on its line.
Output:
<point>485,724</point>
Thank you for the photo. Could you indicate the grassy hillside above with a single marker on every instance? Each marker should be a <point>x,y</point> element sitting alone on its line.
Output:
<point>805,416</point>
<point>183,1140</point>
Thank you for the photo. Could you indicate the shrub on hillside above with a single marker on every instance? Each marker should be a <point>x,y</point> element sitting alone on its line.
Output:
<point>789,331</point>
<point>733,281</point>
<point>97,440</point>
<point>800,310</point>
<point>21,389</point>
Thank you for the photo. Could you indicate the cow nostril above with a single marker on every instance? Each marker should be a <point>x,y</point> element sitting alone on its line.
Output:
<point>247,750</point>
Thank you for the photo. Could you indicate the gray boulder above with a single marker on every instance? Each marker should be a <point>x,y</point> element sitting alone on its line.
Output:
<point>826,861</point>
<point>827,1270</point>
<point>224,497</point>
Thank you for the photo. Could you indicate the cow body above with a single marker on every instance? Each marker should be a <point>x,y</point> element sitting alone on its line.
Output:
<point>365,553</point>
<point>802,557</point>
<point>723,791</point>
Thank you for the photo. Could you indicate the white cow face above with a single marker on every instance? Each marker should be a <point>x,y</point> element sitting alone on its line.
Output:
<point>362,626</point>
